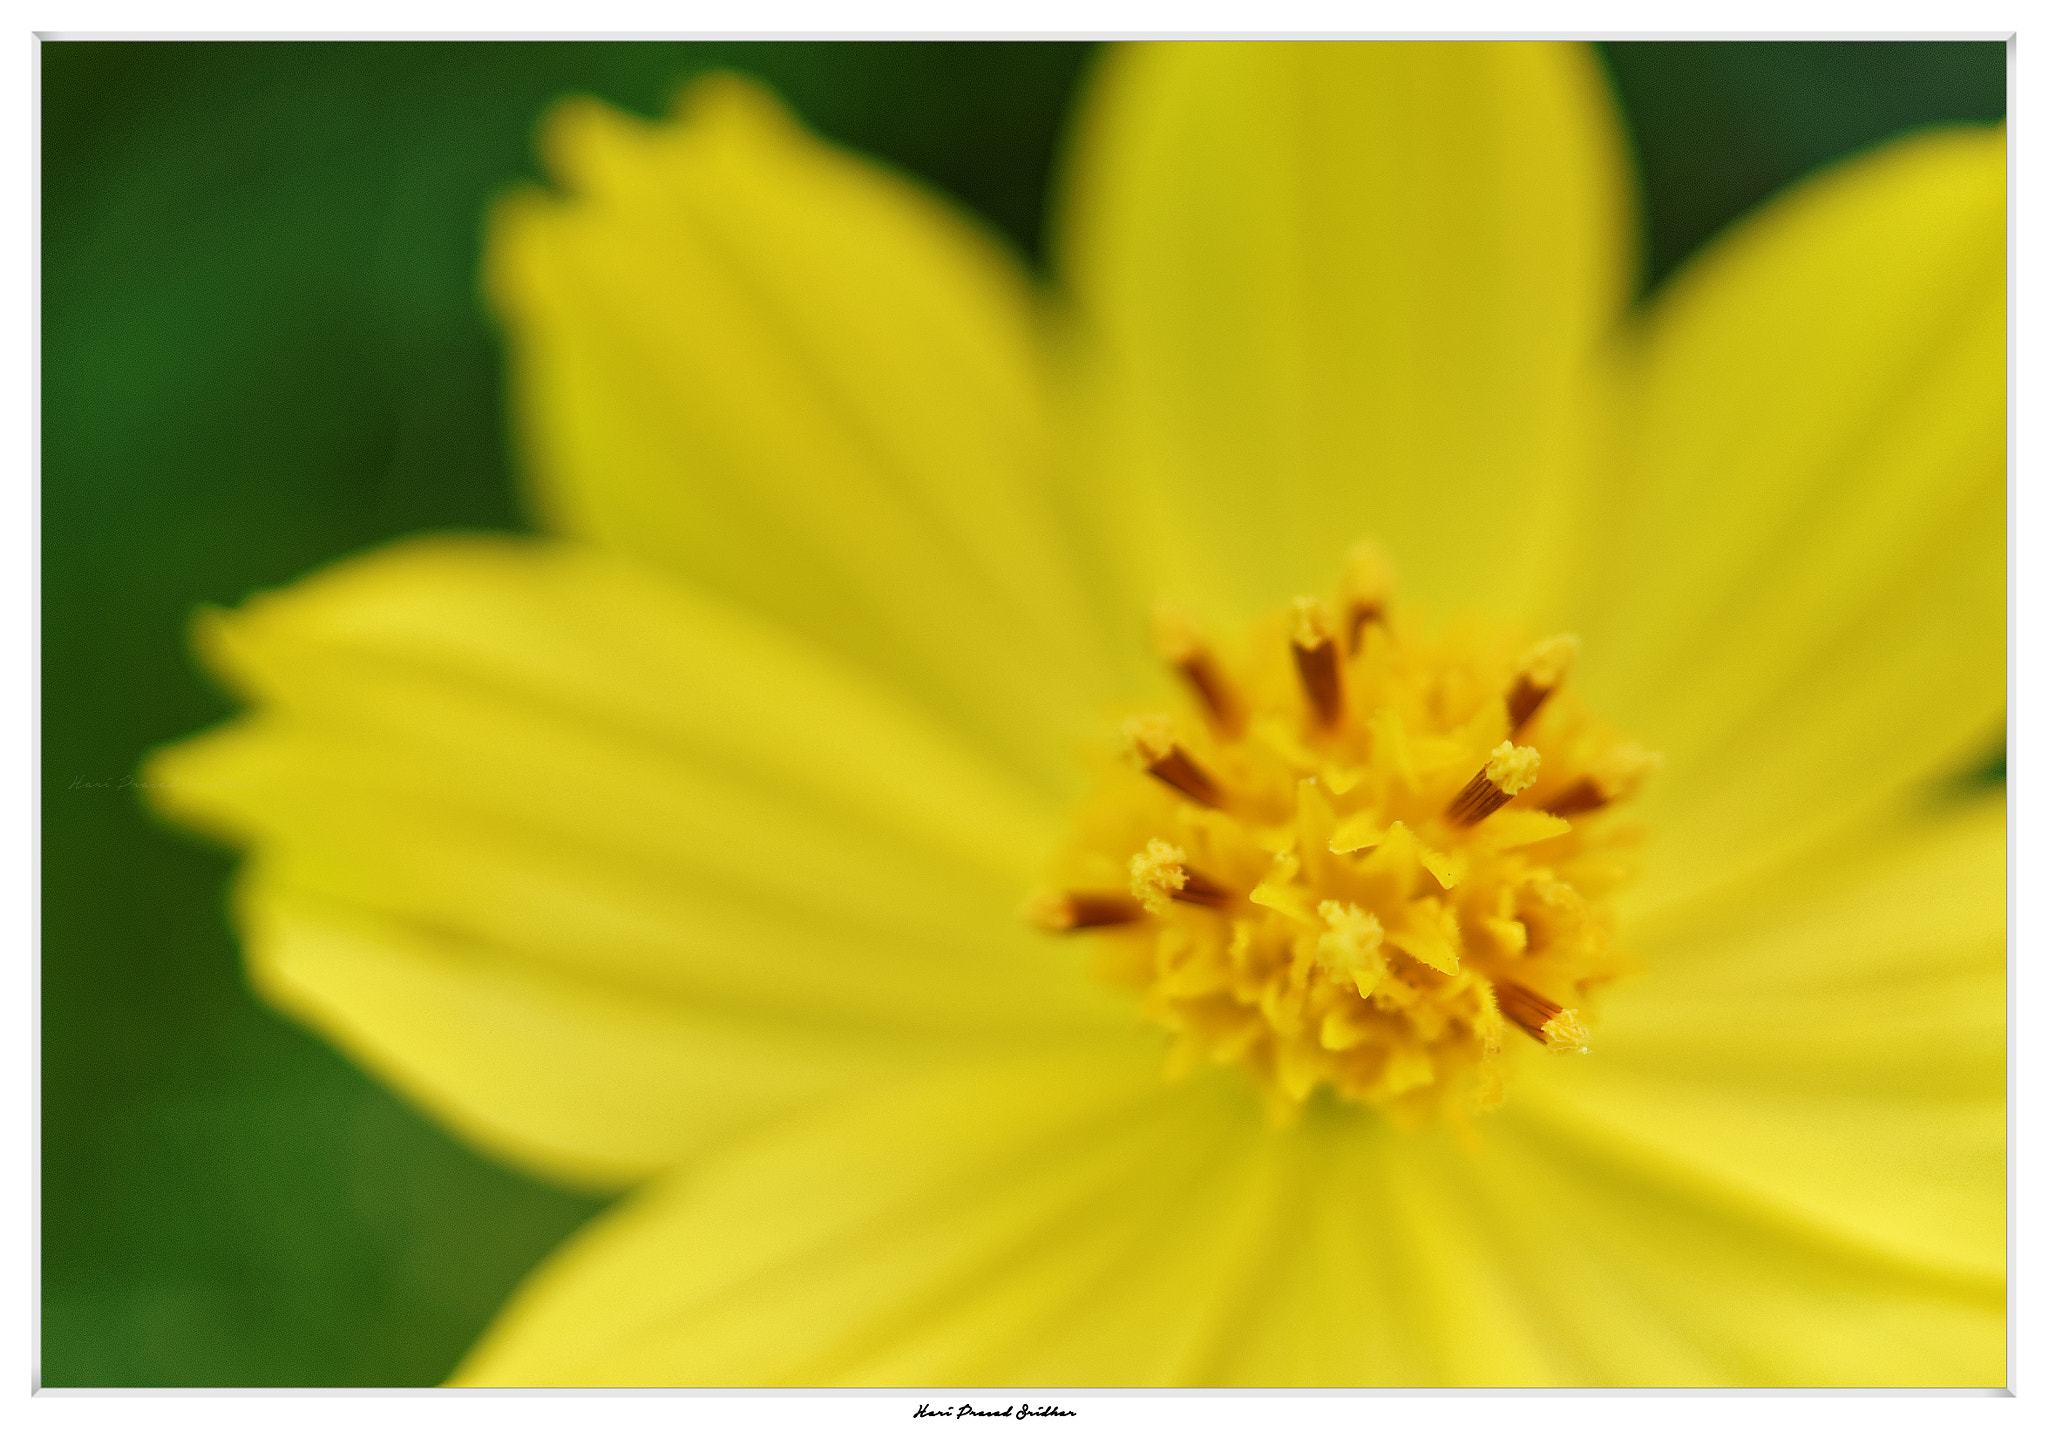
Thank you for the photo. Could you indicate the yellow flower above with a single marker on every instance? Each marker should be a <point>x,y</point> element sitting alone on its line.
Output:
<point>681,850</point>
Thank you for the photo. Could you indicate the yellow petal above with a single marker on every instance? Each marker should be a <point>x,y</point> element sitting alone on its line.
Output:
<point>806,385</point>
<point>1339,291</point>
<point>1553,1254</point>
<point>1835,1048</point>
<point>1800,581</point>
<point>1062,1220</point>
<point>583,1079</point>
<point>576,771</point>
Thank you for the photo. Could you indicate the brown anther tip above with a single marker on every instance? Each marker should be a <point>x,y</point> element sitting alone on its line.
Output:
<point>1153,748</point>
<point>1509,770</point>
<point>1476,800</point>
<point>1161,874</point>
<point>1582,796</point>
<point>1366,592</point>
<point>1357,616</point>
<point>1179,641</point>
<point>1147,739</point>
<point>1316,660</point>
<point>1072,912</point>
<point>1616,776</point>
<point>1540,672</point>
<point>1552,1024</point>
<point>1201,889</point>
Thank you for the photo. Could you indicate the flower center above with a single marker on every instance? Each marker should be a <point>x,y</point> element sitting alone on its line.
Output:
<point>1366,853</point>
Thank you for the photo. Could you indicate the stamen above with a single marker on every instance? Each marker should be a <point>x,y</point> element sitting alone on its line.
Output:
<point>1150,744</point>
<point>1554,1025</point>
<point>1542,670</point>
<point>1071,912</point>
<point>1315,660</point>
<point>1367,590</point>
<point>1161,875</point>
<point>1180,642</point>
<point>1510,770</point>
<point>1616,776</point>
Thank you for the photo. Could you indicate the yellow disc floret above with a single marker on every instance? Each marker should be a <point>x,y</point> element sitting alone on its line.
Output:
<point>1367,854</point>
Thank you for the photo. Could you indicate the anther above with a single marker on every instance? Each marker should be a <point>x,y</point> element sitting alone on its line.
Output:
<point>1149,743</point>
<point>1179,641</point>
<point>1554,1025</point>
<point>1542,670</point>
<point>1315,660</point>
<point>1071,912</point>
<point>1161,875</point>
<point>1619,774</point>
<point>1368,588</point>
<point>1509,770</point>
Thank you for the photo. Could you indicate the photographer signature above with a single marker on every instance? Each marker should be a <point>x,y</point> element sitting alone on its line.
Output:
<point>1014,1411</point>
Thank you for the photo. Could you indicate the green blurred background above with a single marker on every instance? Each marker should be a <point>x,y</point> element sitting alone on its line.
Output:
<point>263,349</point>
